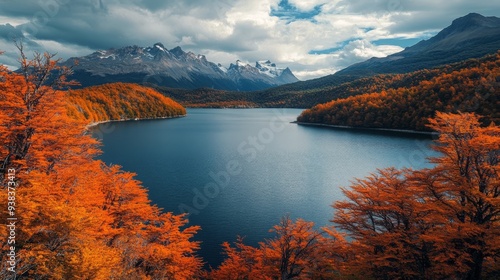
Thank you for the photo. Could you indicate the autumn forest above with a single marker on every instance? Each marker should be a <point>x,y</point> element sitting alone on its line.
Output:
<point>407,101</point>
<point>71,216</point>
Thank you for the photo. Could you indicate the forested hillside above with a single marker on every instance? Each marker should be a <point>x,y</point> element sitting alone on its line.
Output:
<point>69,215</point>
<point>208,97</point>
<point>120,101</point>
<point>471,86</point>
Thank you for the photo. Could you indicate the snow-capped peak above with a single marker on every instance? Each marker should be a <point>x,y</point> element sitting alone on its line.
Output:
<point>222,68</point>
<point>183,69</point>
<point>240,63</point>
<point>102,54</point>
<point>160,47</point>
<point>268,68</point>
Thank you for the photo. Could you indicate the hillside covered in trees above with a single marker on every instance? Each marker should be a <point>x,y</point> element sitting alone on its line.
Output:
<point>471,86</point>
<point>120,101</point>
<point>69,214</point>
<point>208,98</point>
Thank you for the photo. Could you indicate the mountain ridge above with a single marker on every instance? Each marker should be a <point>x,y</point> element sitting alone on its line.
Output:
<point>173,68</point>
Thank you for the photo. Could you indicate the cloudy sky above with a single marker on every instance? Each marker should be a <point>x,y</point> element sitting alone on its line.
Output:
<point>313,37</point>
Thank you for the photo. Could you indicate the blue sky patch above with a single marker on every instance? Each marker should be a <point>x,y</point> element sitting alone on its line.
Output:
<point>339,47</point>
<point>402,42</point>
<point>290,13</point>
<point>325,51</point>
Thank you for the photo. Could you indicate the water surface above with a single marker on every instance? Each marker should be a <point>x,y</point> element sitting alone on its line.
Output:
<point>237,171</point>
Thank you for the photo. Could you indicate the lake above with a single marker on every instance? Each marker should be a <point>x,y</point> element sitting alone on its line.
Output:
<point>238,171</point>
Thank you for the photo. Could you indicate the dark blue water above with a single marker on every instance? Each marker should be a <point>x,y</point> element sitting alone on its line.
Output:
<point>237,171</point>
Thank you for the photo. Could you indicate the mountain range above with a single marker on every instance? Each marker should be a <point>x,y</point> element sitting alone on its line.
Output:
<point>174,68</point>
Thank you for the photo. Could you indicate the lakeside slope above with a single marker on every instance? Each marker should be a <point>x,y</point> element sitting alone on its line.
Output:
<point>120,102</point>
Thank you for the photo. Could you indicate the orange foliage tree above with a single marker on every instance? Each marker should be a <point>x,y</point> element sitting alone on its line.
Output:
<point>298,251</point>
<point>386,220</point>
<point>438,223</point>
<point>465,186</point>
<point>76,217</point>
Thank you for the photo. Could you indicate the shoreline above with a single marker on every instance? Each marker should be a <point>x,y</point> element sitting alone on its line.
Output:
<point>93,124</point>
<point>372,129</point>
<point>344,127</point>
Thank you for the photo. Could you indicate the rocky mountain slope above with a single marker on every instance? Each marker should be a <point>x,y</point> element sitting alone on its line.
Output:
<point>174,68</point>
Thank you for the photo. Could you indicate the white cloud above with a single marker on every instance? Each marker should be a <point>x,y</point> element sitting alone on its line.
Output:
<point>9,57</point>
<point>359,50</point>
<point>12,21</point>
<point>355,51</point>
<point>225,30</point>
<point>306,75</point>
<point>64,50</point>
